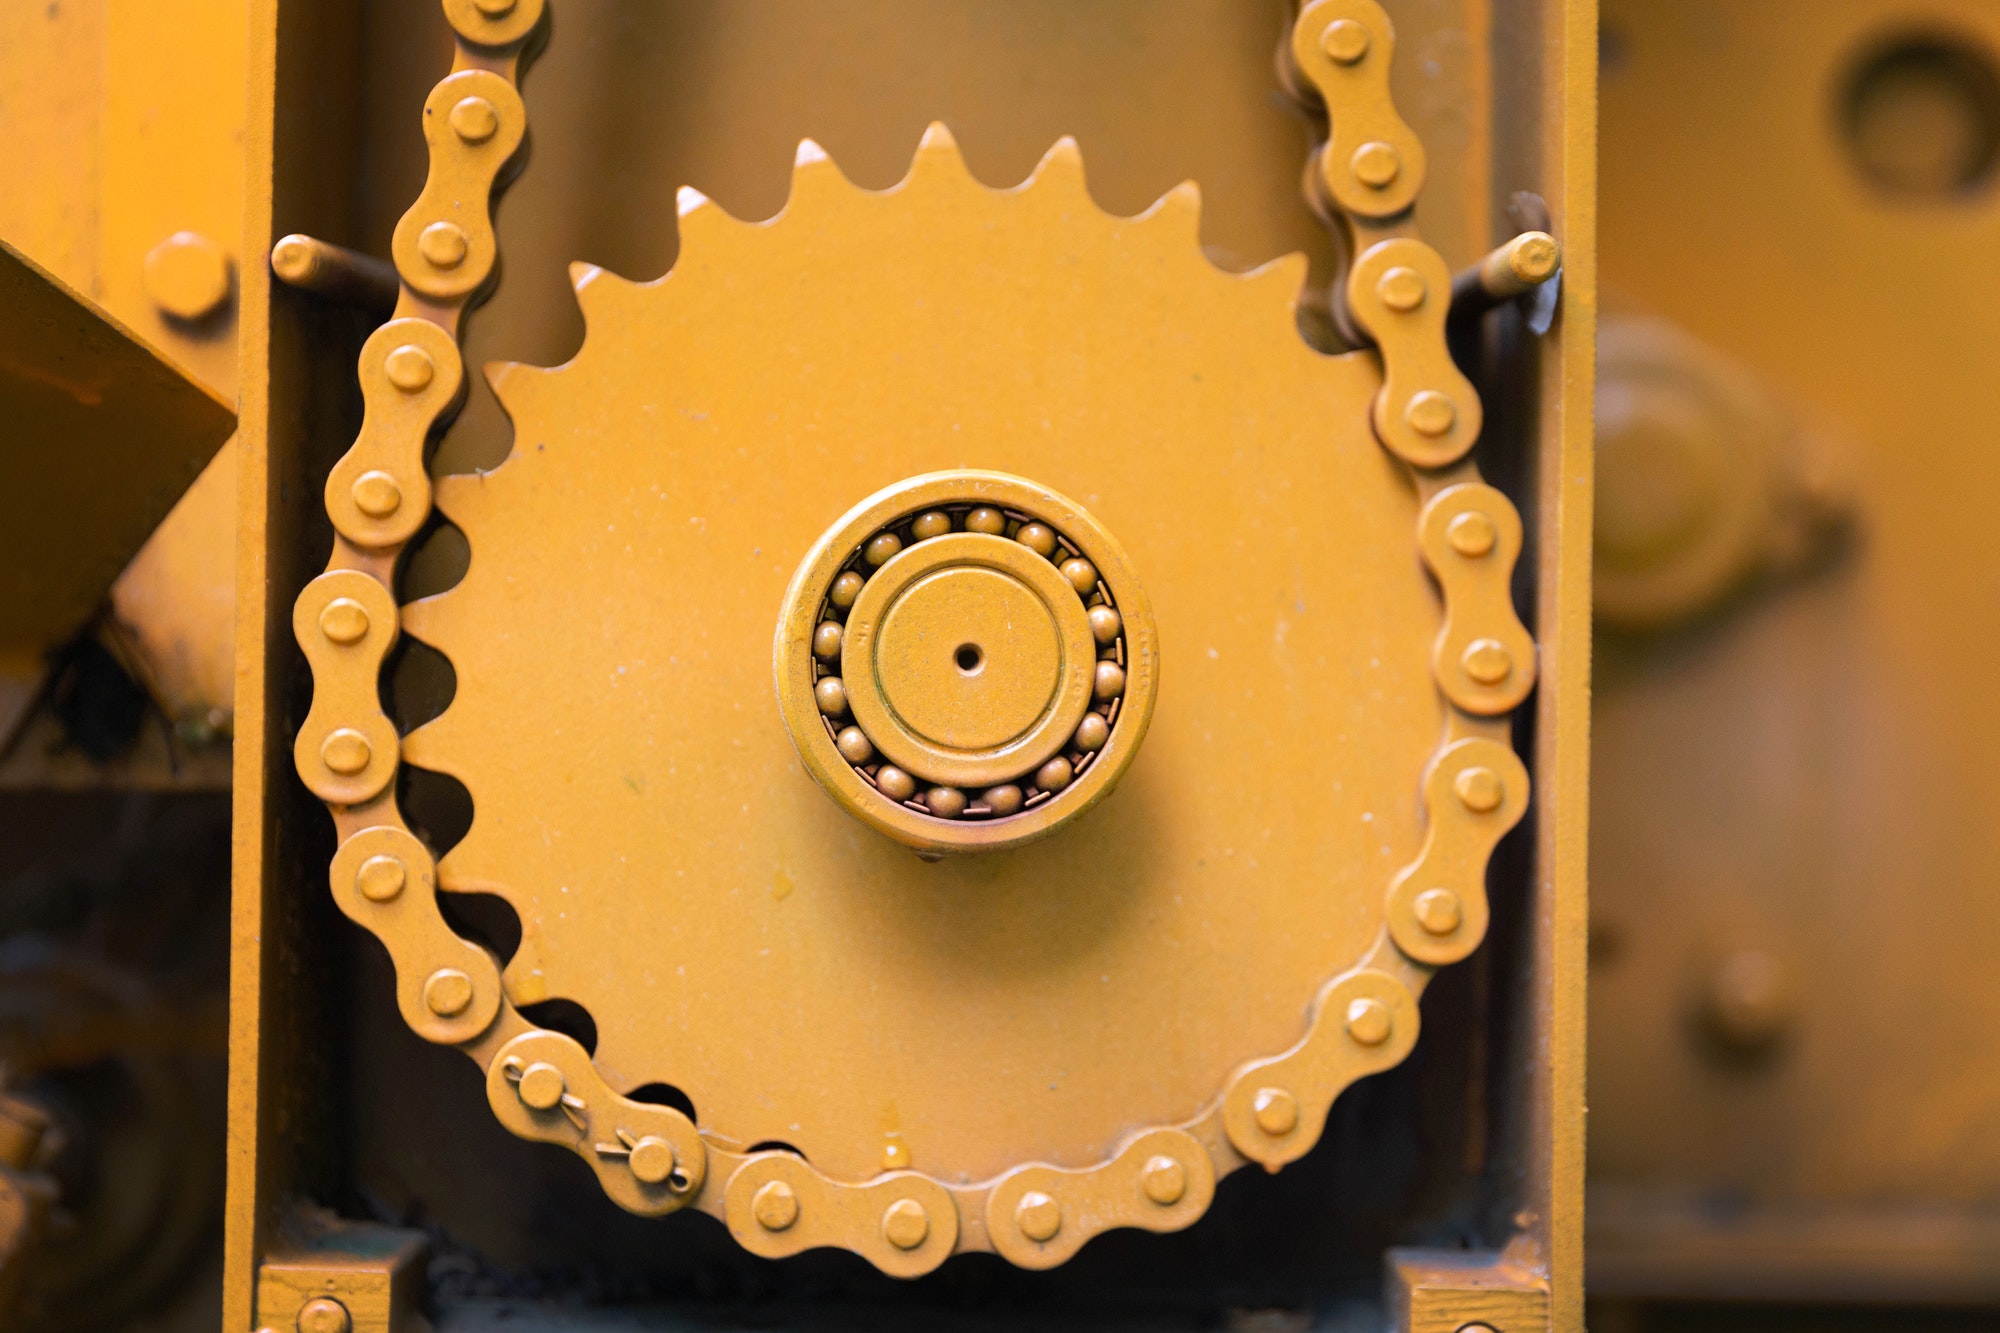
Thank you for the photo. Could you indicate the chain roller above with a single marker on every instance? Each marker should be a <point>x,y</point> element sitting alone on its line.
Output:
<point>903,1222</point>
<point>444,246</point>
<point>649,1159</point>
<point>1362,1023</point>
<point>379,493</point>
<point>1038,1216</point>
<point>1475,791</point>
<point>346,750</point>
<point>385,880</point>
<point>1484,660</point>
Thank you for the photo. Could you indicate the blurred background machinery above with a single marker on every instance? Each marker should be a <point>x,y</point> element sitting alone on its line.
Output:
<point>1793,1083</point>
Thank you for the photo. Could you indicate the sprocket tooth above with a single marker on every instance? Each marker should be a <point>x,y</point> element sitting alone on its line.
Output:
<point>518,385</point>
<point>597,290</point>
<point>460,497</point>
<point>938,159</point>
<point>1177,211</point>
<point>1285,276</point>
<point>700,218</point>
<point>814,176</point>
<point>1060,171</point>
<point>430,746</point>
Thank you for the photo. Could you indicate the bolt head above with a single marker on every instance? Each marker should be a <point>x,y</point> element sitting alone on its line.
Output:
<point>344,620</point>
<point>376,494</point>
<point>1344,41</point>
<point>380,878</point>
<point>447,992</point>
<point>1401,288</point>
<point>905,1224</point>
<point>1487,661</point>
<point>323,1314</point>
<point>541,1087</point>
<point>1038,1216</point>
<point>1164,1180</point>
<point>187,276</point>
<point>345,751</point>
<point>652,1159</point>
<point>1472,534</point>
<point>409,368</point>
<point>1376,164</point>
<point>775,1205</point>
<point>1480,789</point>
<point>1276,1111</point>
<point>1438,911</point>
<point>443,244</point>
<point>1368,1021</point>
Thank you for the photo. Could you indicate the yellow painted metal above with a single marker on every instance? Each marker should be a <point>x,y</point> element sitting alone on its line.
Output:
<point>1786,1007</point>
<point>103,434</point>
<point>258,1096</point>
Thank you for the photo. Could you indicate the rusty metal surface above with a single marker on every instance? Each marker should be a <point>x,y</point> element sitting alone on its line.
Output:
<point>1793,1090</point>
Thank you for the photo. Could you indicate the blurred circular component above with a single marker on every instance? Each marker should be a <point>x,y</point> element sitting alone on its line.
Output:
<point>188,276</point>
<point>1748,1003</point>
<point>1921,116</point>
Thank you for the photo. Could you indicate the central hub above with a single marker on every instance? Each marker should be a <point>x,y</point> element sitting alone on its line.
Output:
<point>966,661</point>
<point>995,683</point>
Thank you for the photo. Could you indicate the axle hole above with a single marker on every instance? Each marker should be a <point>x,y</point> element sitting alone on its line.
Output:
<point>969,658</point>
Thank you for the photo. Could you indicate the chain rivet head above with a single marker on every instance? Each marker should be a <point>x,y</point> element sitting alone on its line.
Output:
<point>447,992</point>
<point>443,244</point>
<point>323,1314</point>
<point>1472,534</point>
<point>1368,1021</point>
<point>474,119</point>
<point>1038,1216</point>
<point>541,1087</point>
<point>1164,1180</point>
<point>1481,789</point>
<point>1344,41</point>
<point>1438,911</point>
<point>409,368</point>
<point>344,620</point>
<point>376,494</point>
<point>380,878</point>
<point>1276,1110</point>
<point>346,751</point>
<point>1376,164</point>
<point>652,1159</point>
<point>1430,413</point>
<point>1401,288</point>
<point>1487,661</point>
<point>905,1224</point>
<point>775,1206</point>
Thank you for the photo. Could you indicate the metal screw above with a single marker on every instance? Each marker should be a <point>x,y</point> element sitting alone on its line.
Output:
<point>323,1314</point>
<point>1277,1111</point>
<point>905,1224</point>
<point>775,1206</point>
<point>1038,1216</point>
